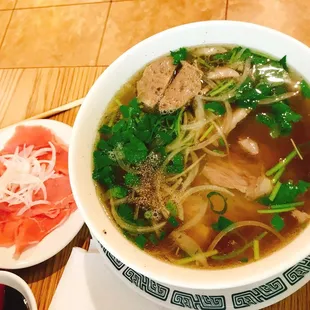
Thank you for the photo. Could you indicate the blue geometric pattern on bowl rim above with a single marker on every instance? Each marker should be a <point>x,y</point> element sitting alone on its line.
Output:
<point>240,300</point>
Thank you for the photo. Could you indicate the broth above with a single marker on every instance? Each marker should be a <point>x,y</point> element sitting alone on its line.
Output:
<point>183,161</point>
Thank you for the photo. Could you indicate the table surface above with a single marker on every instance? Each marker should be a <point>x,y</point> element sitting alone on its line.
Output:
<point>52,51</point>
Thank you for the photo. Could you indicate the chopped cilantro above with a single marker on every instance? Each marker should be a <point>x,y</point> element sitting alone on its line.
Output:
<point>305,89</point>
<point>118,192</point>
<point>131,180</point>
<point>215,107</point>
<point>244,260</point>
<point>126,212</point>
<point>277,222</point>
<point>288,193</point>
<point>172,208</point>
<point>105,129</point>
<point>221,223</point>
<point>162,235</point>
<point>104,176</point>
<point>280,120</point>
<point>173,221</point>
<point>283,63</point>
<point>178,55</point>
<point>153,239</point>
<point>176,165</point>
<point>140,241</point>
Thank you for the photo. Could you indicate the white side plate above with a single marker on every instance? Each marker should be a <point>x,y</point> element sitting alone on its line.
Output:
<point>60,237</point>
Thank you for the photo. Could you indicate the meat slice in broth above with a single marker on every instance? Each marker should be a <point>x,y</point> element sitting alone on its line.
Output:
<point>185,86</point>
<point>233,174</point>
<point>155,80</point>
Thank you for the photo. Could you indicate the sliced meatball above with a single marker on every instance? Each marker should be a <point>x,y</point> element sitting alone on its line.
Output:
<point>155,80</point>
<point>185,86</point>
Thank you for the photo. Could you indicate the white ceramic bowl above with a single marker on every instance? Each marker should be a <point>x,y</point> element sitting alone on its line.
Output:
<point>85,130</point>
<point>14,281</point>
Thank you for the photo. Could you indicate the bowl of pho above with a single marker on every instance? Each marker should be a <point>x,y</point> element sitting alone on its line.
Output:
<point>190,155</point>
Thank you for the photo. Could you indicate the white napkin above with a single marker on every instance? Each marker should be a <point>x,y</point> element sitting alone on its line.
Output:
<point>88,284</point>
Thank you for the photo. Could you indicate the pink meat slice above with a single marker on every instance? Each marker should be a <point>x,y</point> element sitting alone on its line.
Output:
<point>36,223</point>
<point>34,229</point>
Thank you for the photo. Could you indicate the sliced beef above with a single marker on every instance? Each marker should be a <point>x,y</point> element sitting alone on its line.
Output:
<point>155,80</point>
<point>185,86</point>
<point>238,173</point>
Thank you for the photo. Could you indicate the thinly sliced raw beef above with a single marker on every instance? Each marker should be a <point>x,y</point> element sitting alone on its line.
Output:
<point>25,227</point>
<point>34,229</point>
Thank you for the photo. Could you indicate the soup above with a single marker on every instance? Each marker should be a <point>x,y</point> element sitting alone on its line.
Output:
<point>203,155</point>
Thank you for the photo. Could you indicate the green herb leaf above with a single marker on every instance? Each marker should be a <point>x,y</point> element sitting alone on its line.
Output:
<point>176,165</point>
<point>153,239</point>
<point>105,176</point>
<point>173,221</point>
<point>305,89</point>
<point>283,63</point>
<point>162,235</point>
<point>244,260</point>
<point>277,222</point>
<point>141,241</point>
<point>215,107</point>
<point>172,208</point>
<point>126,212</point>
<point>118,192</point>
<point>101,160</point>
<point>288,192</point>
<point>179,55</point>
<point>105,129</point>
<point>221,223</point>
<point>131,180</point>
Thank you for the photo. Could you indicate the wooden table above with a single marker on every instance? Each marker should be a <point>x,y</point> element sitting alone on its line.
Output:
<point>51,52</point>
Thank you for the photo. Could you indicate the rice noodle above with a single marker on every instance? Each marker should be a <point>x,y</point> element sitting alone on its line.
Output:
<point>277,98</point>
<point>197,218</point>
<point>201,188</point>
<point>133,228</point>
<point>232,92</point>
<point>234,226</point>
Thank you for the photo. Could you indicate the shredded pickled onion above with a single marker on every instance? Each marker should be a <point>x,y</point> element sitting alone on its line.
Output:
<point>25,175</point>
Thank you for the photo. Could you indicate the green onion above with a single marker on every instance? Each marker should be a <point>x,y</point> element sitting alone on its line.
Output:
<point>218,90</point>
<point>256,249</point>
<point>278,175</point>
<point>173,221</point>
<point>148,214</point>
<point>288,205</point>
<point>162,235</point>
<point>140,241</point>
<point>237,252</point>
<point>207,132</point>
<point>224,209</point>
<point>275,191</point>
<point>204,63</point>
<point>172,208</point>
<point>153,239</point>
<point>270,211</point>
<point>283,163</point>
<point>244,260</point>
<point>187,260</point>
